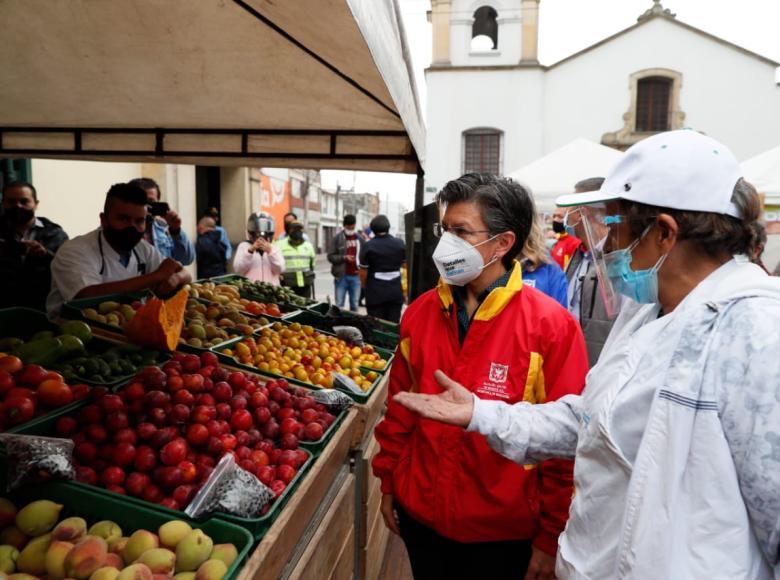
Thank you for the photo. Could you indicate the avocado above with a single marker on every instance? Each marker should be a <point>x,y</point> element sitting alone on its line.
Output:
<point>44,352</point>
<point>77,328</point>
<point>72,345</point>
<point>10,344</point>
<point>41,334</point>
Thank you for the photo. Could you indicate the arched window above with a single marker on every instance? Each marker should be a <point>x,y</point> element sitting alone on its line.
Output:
<point>482,151</point>
<point>653,104</point>
<point>484,31</point>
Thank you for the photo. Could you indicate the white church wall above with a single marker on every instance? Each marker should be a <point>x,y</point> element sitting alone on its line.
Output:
<point>508,100</point>
<point>725,93</point>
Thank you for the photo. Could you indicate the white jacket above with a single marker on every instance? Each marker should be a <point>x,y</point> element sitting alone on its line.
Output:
<point>683,482</point>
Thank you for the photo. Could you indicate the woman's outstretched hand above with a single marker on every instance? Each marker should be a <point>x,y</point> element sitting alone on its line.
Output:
<point>454,406</point>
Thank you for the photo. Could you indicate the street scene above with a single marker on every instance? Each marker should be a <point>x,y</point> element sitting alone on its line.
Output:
<point>390,290</point>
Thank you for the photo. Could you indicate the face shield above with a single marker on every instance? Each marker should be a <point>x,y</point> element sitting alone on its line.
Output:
<point>600,232</point>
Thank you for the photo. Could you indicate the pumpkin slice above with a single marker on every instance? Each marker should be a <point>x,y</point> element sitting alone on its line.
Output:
<point>157,324</point>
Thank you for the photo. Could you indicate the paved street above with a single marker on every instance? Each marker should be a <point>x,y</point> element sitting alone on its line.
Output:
<point>323,284</point>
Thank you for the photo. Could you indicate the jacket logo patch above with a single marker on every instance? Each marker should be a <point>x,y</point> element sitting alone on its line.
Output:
<point>498,373</point>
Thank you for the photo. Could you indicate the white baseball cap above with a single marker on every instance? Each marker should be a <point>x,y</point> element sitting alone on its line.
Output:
<point>679,170</point>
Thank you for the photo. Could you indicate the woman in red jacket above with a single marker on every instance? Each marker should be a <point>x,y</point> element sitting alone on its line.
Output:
<point>463,510</point>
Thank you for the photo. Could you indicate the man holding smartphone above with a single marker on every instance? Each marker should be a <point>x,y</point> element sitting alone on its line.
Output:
<point>115,258</point>
<point>163,225</point>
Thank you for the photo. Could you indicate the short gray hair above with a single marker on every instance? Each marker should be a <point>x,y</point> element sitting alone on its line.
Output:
<point>589,184</point>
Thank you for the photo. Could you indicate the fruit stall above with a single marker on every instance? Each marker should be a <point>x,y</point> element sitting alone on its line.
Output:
<point>147,430</point>
<point>358,111</point>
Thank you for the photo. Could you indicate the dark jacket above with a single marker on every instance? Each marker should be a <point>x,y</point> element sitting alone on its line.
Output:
<point>211,255</point>
<point>26,280</point>
<point>594,321</point>
<point>338,252</point>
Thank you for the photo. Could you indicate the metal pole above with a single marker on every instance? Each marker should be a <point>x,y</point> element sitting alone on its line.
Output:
<point>415,252</point>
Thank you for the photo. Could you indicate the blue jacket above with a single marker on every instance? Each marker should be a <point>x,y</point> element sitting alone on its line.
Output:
<point>223,237</point>
<point>179,248</point>
<point>550,279</point>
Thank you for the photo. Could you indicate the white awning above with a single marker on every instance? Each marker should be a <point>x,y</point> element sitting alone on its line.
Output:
<point>289,83</point>
<point>556,173</point>
<point>763,171</point>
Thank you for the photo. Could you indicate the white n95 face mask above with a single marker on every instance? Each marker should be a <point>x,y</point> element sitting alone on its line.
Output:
<point>457,261</point>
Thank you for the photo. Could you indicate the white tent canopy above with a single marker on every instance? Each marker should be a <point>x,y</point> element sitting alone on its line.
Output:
<point>763,171</point>
<point>556,173</point>
<point>292,83</point>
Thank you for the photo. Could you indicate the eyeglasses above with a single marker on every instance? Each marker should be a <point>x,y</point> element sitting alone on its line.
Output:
<point>439,229</point>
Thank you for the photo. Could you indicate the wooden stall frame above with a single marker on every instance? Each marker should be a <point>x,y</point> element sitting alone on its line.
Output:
<point>281,541</point>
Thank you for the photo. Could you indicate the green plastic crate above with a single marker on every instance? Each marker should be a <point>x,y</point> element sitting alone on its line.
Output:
<point>80,500</point>
<point>386,336</point>
<point>23,322</point>
<point>74,308</point>
<point>45,426</point>
<point>233,361</point>
<point>322,309</point>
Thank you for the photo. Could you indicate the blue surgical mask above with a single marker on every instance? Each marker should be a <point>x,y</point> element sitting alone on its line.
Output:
<point>639,285</point>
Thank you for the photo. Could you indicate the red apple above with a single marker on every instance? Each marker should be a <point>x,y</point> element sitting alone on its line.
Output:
<point>136,483</point>
<point>238,402</point>
<point>175,384</point>
<point>112,476</point>
<point>174,452</point>
<point>126,435</point>
<point>278,487</point>
<point>241,420</point>
<point>188,471</point>
<point>203,414</point>
<point>286,473</point>
<point>214,446</point>
<point>65,426</point>
<point>97,433</point>
<point>184,397</point>
<point>152,493</point>
<point>116,420</point>
<point>180,413</point>
<point>222,391</point>
<point>229,441</point>
<point>133,392</point>
<point>90,414</point>
<point>190,363</point>
<point>183,494</point>
<point>86,452</point>
<point>170,503</point>
<point>145,431</point>
<point>209,359</point>
<point>124,454</point>
<point>313,432</point>
<point>194,382</point>
<point>266,474</point>
<point>288,441</point>
<point>197,434</point>
<point>262,415</point>
<point>145,458</point>
<point>86,475</point>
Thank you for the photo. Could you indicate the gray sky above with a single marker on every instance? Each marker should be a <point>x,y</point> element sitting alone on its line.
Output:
<point>567,26</point>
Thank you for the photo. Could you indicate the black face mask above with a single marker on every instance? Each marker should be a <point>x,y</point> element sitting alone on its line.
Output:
<point>124,240</point>
<point>19,216</point>
<point>296,235</point>
<point>558,227</point>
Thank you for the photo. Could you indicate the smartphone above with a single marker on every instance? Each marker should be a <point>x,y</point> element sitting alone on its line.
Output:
<point>159,208</point>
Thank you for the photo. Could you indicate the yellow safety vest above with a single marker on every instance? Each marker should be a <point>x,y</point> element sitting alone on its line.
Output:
<point>298,259</point>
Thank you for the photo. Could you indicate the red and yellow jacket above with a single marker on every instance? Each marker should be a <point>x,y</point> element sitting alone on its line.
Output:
<point>564,249</point>
<point>521,346</point>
